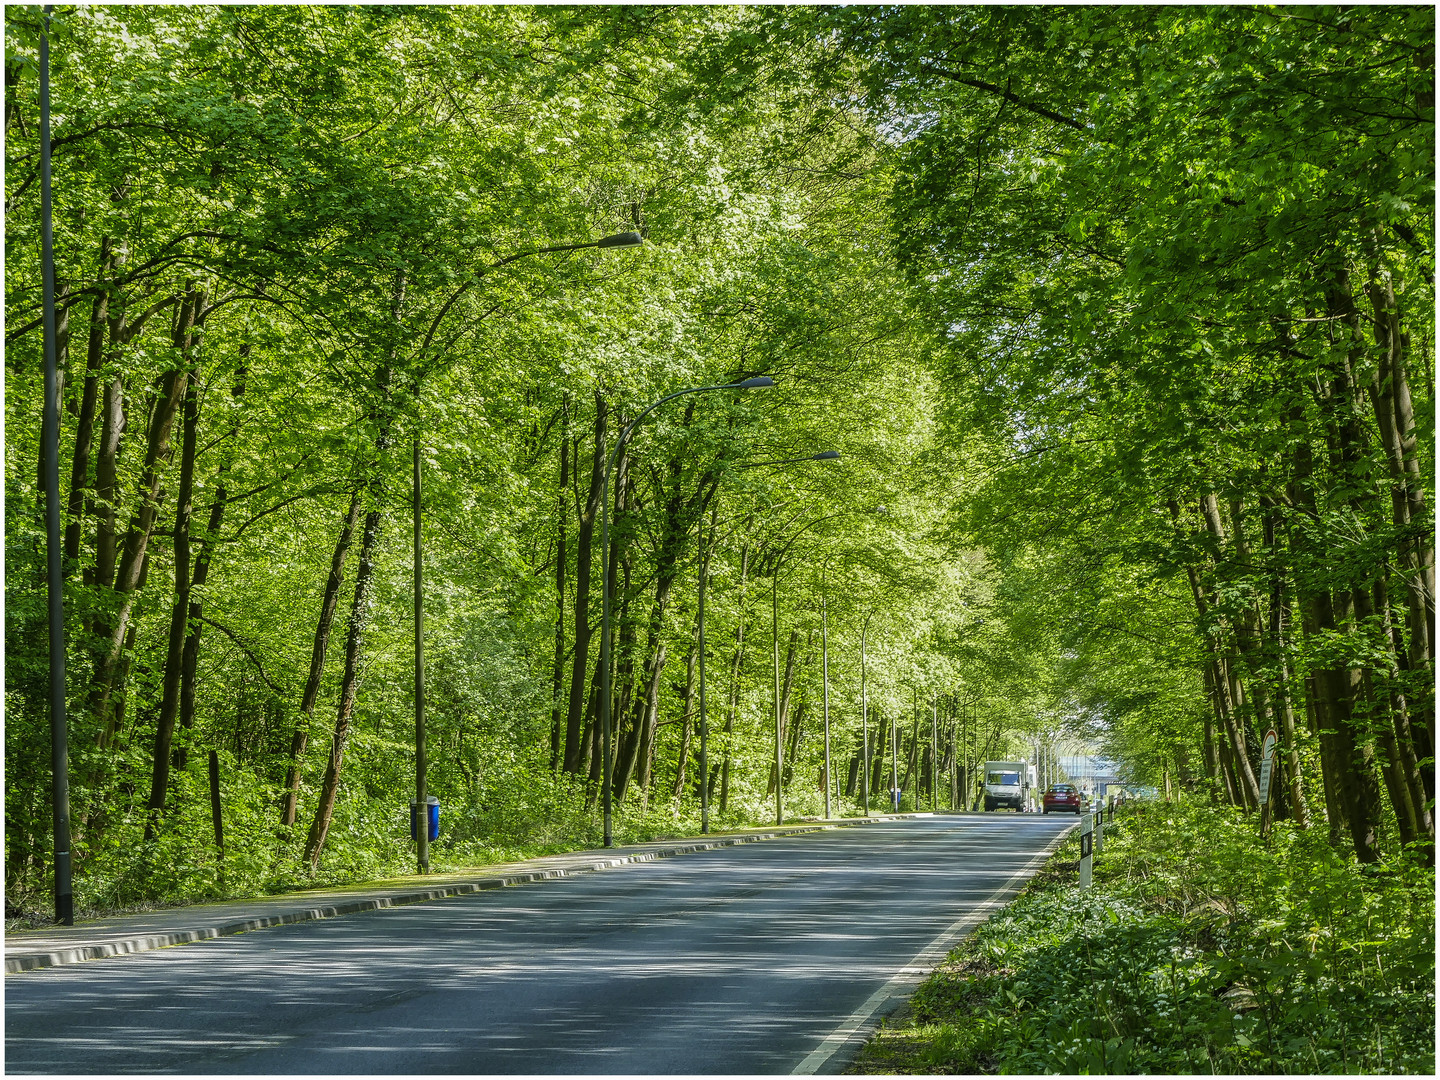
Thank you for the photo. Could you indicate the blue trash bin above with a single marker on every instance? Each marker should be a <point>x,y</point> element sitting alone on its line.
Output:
<point>434,808</point>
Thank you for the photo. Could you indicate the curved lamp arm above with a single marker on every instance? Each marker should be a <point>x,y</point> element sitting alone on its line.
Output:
<point>824,455</point>
<point>746,384</point>
<point>625,239</point>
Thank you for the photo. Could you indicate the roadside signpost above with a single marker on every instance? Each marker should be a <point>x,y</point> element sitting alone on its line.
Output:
<point>1267,770</point>
<point>1267,764</point>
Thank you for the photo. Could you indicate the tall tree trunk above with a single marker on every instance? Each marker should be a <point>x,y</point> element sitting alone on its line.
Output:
<point>636,750</point>
<point>381,413</point>
<point>793,722</point>
<point>595,763</point>
<point>682,760</point>
<point>1400,713</point>
<point>1236,710</point>
<point>349,685</point>
<point>879,757</point>
<point>120,330</point>
<point>1341,765</point>
<point>672,543</point>
<point>794,733</point>
<point>1390,398</point>
<point>1389,394</point>
<point>732,696</point>
<point>1224,735</point>
<point>704,784</point>
<point>1383,707</point>
<point>1342,410</point>
<point>1285,699</point>
<point>308,698</point>
<point>584,536</point>
<point>911,760</point>
<point>179,610</point>
<point>1375,711</point>
<point>558,712</point>
<point>171,393</point>
<point>786,685</point>
<point>622,628</point>
<point>85,421</point>
<point>1242,787</point>
<point>1248,637</point>
<point>190,658</point>
<point>1209,750</point>
<point>107,458</point>
<point>62,374</point>
<point>1360,786</point>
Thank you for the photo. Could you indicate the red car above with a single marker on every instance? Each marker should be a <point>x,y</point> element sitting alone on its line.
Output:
<point>1063,797</point>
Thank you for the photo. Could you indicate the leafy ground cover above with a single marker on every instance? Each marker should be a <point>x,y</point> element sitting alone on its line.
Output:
<point>1201,948</point>
<point>510,818</point>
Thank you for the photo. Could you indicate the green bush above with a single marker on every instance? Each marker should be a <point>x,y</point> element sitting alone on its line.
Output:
<point>1201,948</point>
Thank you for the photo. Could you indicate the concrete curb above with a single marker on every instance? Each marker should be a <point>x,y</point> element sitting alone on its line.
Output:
<point>123,944</point>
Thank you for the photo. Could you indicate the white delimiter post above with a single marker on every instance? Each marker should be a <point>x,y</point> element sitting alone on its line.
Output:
<point>1086,834</point>
<point>1100,831</point>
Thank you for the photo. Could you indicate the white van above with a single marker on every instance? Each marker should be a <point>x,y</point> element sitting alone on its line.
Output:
<point>1009,783</point>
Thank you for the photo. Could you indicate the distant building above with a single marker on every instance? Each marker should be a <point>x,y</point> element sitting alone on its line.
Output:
<point>1092,774</point>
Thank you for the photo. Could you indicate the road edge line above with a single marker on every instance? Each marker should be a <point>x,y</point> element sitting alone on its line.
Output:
<point>922,964</point>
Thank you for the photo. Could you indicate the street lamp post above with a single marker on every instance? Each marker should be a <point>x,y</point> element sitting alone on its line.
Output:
<point>54,567</point>
<point>704,729</point>
<point>422,795</point>
<point>700,635</point>
<point>956,726</point>
<point>775,643</point>
<point>605,703</point>
<point>934,749</point>
<point>864,722</point>
<point>894,772</point>
<point>972,753</point>
<point>421,816</point>
<point>825,677</point>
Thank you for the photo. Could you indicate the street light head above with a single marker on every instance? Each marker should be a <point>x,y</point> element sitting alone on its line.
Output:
<point>753,383</point>
<point>624,239</point>
<point>825,455</point>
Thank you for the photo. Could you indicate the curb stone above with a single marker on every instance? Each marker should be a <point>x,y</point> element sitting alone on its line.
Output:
<point>46,954</point>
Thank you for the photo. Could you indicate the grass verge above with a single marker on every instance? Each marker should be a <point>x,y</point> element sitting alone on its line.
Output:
<point>1200,948</point>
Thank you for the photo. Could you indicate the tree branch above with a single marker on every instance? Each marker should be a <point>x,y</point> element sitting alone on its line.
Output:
<point>1007,94</point>
<point>249,655</point>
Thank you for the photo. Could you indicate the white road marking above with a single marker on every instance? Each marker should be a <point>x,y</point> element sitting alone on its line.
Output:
<point>924,962</point>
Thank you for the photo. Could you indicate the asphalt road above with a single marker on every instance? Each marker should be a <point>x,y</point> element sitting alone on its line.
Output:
<point>773,957</point>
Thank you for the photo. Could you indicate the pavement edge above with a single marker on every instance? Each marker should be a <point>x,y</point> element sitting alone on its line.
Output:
<point>59,957</point>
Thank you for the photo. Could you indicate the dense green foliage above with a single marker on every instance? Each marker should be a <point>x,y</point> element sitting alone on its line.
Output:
<point>1184,267</point>
<point>1199,949</point>
<point>1120,319</point>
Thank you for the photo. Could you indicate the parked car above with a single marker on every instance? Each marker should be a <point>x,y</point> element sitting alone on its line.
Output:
<point>1064,797</point>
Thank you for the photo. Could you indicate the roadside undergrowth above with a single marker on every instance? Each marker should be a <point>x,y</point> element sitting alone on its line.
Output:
<point>368,843</point>
<point>1200,949</point>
